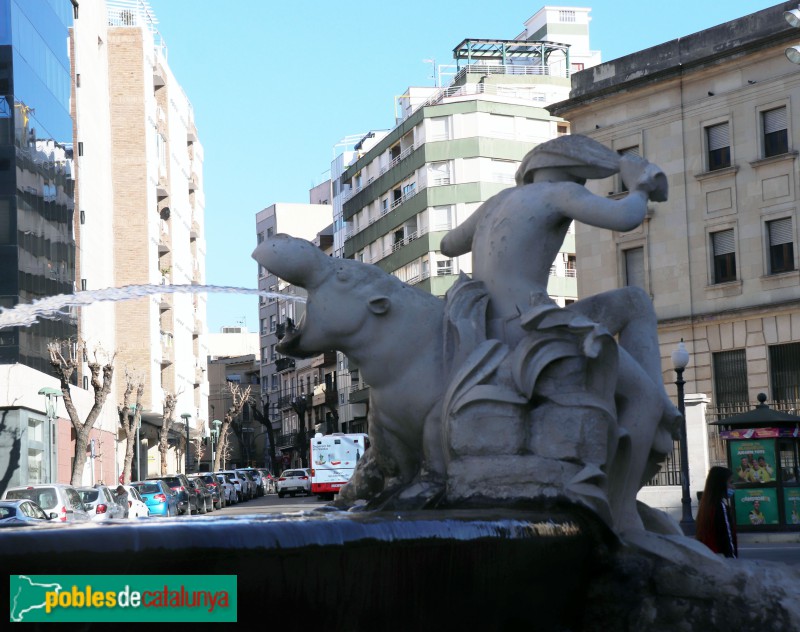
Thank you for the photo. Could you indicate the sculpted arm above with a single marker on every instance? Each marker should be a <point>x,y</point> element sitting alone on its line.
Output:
<point>459,240</point>
<point>644,181</point>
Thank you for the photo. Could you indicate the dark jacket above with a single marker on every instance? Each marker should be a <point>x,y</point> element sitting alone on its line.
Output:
<point>718,530</point>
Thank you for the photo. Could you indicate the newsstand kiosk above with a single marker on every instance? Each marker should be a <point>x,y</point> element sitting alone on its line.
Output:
<point>763,456</point>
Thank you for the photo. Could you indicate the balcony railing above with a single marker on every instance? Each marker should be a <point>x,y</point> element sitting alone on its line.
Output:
<point>284,364</point>
<point>286,440</point>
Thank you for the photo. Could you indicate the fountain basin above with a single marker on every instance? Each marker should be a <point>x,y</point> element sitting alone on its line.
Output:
<point>497,569</point>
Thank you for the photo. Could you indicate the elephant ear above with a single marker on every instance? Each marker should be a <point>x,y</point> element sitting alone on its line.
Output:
<point>379,305</point>
<point>294,260</point>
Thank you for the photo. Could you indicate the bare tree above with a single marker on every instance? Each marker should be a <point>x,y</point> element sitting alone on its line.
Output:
<point>13,453</point>
<point>170,402</point>
<point>198,451</point>
<point>65,356</point>
<point>262,416</point>
<point>239,397</point>
<point>130,416</point>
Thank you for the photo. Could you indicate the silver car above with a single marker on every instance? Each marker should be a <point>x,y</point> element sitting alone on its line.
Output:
<point>22,512</point>
<point>102,504</point>
<point>58,498</point>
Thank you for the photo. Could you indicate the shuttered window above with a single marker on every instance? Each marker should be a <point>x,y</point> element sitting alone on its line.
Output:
<point>784,371</point>
<point>627,151</point>
<point>730,377</point>
<point>724,250</point>
<point>634,267</point>
<point>781,246</point>
<point>776,137</point>
<point>719,146</point>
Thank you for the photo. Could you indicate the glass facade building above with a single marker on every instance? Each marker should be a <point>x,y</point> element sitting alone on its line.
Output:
<point>37,244</point>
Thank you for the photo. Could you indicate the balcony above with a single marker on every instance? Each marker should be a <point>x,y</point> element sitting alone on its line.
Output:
<point>286,440</point>
<point>325,359</point>
<point>193,182</point>
<point>167,348</point>
<point>161,188</point>
<point>199,374</point>
<point>284,364</point>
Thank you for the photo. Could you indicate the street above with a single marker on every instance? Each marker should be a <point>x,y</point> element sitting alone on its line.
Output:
<point>271,504</point>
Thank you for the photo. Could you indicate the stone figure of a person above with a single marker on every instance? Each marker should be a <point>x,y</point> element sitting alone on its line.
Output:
<point>514,238</point>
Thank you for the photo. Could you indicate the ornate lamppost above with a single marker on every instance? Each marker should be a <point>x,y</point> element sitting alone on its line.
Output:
<point>680,359</point>
<point>186,417</point>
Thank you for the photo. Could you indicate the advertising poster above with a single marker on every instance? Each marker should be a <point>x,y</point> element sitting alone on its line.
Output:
<point>753,462</point>
<point>791,501</point>
<point>755,507</point>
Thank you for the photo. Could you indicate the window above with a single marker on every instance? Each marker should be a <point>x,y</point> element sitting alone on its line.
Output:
<point>260,237</point>
<point>634,267</point>
<point>439,128</point>
<point>719,146</point>
<point>776,137</point>
<point>263,326</point>
<point>724,250</point>
<point>273,323</point>
<point>627,151</point>
<point>441,218</point>
<point>730,377</point>
<point>784,371</point>
<point>439,173</point>
<point>502,126</point>
<point>272,353</point>
<point>781,248</point>
<point>566,16</point>
<point>83,285</point>
<point>444,267</point>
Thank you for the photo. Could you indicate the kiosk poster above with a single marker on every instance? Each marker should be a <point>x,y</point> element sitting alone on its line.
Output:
<point>791,500</point>
<point>753,462</point>
<point>756,507</point>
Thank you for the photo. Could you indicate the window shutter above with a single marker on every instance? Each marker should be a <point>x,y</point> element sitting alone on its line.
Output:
<point>723,242</point>
<point>629,151</point>
<point>718,137</point>
<point>780,232</point>
<point>774,120</point>
<point>634,267</point>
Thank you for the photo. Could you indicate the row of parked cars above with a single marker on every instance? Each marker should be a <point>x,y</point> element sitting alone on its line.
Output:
<point>169,495</point>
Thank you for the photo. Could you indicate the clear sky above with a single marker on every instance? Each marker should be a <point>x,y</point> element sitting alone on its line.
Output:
<point>276,85</point>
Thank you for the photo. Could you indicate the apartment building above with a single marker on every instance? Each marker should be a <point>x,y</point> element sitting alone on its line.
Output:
<point>453,148</point>
<point>715,111</point>
<point>299,394</point>
<point>138,213</point>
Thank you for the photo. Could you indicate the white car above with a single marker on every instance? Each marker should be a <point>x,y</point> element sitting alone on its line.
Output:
<point>137,507</point>
<point>296,481</point>
<point>228,489</point>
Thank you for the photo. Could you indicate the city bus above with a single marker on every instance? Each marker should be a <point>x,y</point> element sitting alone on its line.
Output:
<point>333,459</point>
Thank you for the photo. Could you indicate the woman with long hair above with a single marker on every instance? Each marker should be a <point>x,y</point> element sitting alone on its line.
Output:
<point>716,523</point>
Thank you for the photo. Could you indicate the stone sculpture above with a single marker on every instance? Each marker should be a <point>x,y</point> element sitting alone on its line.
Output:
<point>372,317</point>
<point>496,394</point>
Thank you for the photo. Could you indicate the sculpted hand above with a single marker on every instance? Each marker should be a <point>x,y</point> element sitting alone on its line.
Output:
<point>640,175</point>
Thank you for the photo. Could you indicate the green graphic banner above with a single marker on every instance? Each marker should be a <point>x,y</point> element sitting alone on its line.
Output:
<point>753,461</point>
<point>756,506</point>
<point>791,501</point>
<point>122,598</point>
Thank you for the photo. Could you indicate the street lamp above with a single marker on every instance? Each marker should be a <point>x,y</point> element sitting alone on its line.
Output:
<point>51,396</point>
<point>214,433</point>
<point>680,359</point>
<point>186,417</point>
<point>793,18</point>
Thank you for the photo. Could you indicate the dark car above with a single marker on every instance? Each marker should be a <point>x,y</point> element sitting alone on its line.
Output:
<point>213,486</point>
<point>187,494</point>
<point>205,500</point>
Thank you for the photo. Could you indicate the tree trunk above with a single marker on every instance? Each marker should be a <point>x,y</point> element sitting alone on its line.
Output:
<point>130,422</point>
<point>64,368</point>
<point>168,418</point>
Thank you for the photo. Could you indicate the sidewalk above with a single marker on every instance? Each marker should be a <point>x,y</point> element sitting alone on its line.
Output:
<point>769,538</point>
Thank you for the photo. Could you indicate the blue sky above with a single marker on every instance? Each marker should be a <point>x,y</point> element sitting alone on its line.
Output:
<point>276,85</point>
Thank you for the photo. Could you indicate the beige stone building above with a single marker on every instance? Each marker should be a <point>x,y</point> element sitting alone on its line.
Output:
<point>716,111</point>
